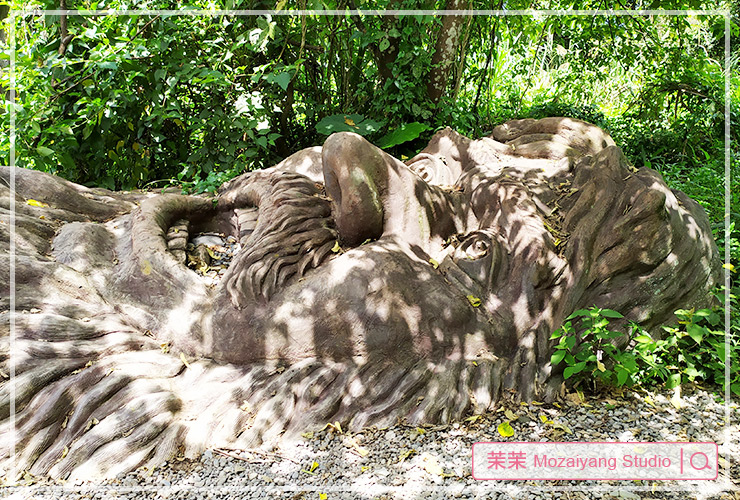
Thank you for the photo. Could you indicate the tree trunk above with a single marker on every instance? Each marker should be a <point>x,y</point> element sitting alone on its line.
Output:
<point>448,43</point>
<point>4,63</point>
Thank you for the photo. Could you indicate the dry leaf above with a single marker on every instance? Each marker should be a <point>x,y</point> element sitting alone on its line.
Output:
<point>562,427</point>
<point>676,400</point>
<point>403,456</point>
<point>307,435</point>
<point>35,203</point>
<point>434,263</point>
<point>431,465</point>
<point>510,415</point>
<point>184,361</point>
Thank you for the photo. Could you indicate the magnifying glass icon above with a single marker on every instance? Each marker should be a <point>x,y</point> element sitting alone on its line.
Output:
<point>706,461</point>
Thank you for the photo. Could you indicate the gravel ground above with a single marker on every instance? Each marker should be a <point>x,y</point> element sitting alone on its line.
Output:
<point>405,462</point>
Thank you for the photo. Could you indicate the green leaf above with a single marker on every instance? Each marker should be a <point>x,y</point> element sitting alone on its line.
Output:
<point>572,370</point>
<point>44,151</point>
<point>160,74</point>
<point>696,332</point>
<point>283,79</point>
<point>673,381</point>
<point>570,342</point>
<point>643,339</point>
<point>108,65</point>
<point>557,357</point>
<point>384,44</point>
<point>369,126</point>
<point>505,429</point>
<point>622,375</point>
<point>338,123</point>
<point>579,312</point>
<point>404,133</point>
<point>608,313</point>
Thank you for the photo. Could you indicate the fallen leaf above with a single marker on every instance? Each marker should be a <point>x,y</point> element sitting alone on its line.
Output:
<point>600,366</point>
<point>676,400</point>
<point>307,435</point>
<point>322,496</point>
<point>403,456</point>
<point>510,415</point>
<point>35,203</point>
<point>146,267</point>
<point>336,248</point>
<point>474,301</point>
<point>184,361</point>
<point>473,419</point>
<point>562,427</point>
<point>431,465</point>
<point>349,121</point>
<point>505,429</point>
<point>434,263</point>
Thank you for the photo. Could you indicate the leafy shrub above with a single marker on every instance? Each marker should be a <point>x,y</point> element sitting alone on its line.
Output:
<point>693,350</point>
<point>592,353</point>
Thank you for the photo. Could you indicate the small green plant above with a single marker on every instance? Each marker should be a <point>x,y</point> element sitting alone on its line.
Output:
<point>693,350</point>
<point>595,354</point>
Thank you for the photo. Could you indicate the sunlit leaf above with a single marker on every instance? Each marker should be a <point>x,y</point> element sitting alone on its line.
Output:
<point>505,429</point>
<point>474,301</point>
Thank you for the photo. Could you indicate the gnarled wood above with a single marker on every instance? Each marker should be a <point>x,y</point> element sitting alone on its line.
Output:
<point>366,290</point>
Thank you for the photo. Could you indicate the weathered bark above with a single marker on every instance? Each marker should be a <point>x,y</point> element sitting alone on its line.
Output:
<point>366,290</point>
<point>4,63</point>
<point>448,43</point>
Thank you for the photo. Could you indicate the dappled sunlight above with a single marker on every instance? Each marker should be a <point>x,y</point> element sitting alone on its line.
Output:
<point>425,304</point>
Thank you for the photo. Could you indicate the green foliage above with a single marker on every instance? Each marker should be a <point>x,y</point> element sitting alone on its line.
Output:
<point>592,353</point>
<point>195,99</point>
<point>404,133</point>
<point>693,350</point>
<point>347,123</point>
